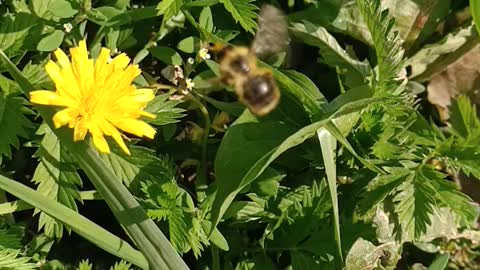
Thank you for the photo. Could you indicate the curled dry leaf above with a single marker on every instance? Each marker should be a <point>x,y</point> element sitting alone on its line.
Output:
<point>461,77</point>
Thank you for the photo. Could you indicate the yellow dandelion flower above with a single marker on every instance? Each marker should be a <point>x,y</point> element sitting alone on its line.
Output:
<point>98,96</point>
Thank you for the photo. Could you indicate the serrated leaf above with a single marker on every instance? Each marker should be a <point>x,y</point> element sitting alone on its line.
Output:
<point>85,265</point>
<point>243,12</point>
<point>141,165</point>
<point>169,8</point>
<point>13,121</point>
<point>11,237</point>
<point>388,46</point>
<point>11,259</point>
<point>415,200</point>
<point>166,110</point>
<point>57,178</point>
<point>464,119</point>
<point>122,265</point>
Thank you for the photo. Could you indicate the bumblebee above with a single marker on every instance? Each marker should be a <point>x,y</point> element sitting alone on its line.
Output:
<point>255,86</point>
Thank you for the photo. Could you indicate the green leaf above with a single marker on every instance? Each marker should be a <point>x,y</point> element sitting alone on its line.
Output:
<point>75,221</point>
<point>14,122</point>
<point>464,119</point>
<point>148,237</point>
<point>53,9</point>
<point>242,11</point>
<point>332,53</point>
<point>51,42</point>
<point>85,265</point>
<point>189,44</point>
<point>57,178</point>
<point>461,157</point>
<point>206,19</point>
<point>11,259</point>
<point>440,262</point>
<point>141,165</point>
<point>328,145</point>
<point>169,8</point>
<point>249,147</point>
<point>475,10</point>
<point>388,46</point>
<point>415,200</point>
<point>11,237</point>
<point>459,203</point>
<point>122,265</point>
<point>165,110</point>
<point>167,55</point>
<point>19,32</point>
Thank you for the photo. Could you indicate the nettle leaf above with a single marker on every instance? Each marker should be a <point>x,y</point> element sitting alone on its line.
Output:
<point>19,32</point>
<point>141,165</point>
<point>13,121</point>
<point>458,202</point>
<point>57,178</point>
<point>165,109</point>
<point>11,259</point>
<point>415,200</point>
<point>166,201</point>
<point>11,237</point>
<point>461,157</point>
<point>243,12</point>
<point>122,265</point>
<point>169,8</point>
<point>388,46</point>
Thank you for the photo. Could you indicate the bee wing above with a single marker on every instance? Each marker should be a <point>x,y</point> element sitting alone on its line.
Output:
<point>272,35</point>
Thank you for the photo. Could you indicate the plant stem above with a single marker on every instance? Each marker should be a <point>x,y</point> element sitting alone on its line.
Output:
<point>202,177</point>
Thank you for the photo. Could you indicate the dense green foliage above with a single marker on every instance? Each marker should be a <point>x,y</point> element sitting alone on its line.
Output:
<point>353,169</point>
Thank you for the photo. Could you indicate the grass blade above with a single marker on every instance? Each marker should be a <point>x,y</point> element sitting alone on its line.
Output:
<point>79,224</point>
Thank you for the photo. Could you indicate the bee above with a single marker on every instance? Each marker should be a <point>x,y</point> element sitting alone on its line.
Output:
<point>255,86</point>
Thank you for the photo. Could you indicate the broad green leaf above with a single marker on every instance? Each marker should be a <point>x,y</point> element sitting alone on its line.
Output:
<point>332,53</point>
<point>51,42</point>
<point>189,44</point>
<point>243,11</point>
<point>57,178</point>
<point>54,9</point>
<point>201,3</point>
<point>14,122</point>
<point>167,55</point>
<point>19,32</point>
<point>206,19</point>
<point>111,16</point>
<point>440,261</point>
<point>165,110</point>
<point>267,183</point>
<point>250,146</point>
<point>75,221</point>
